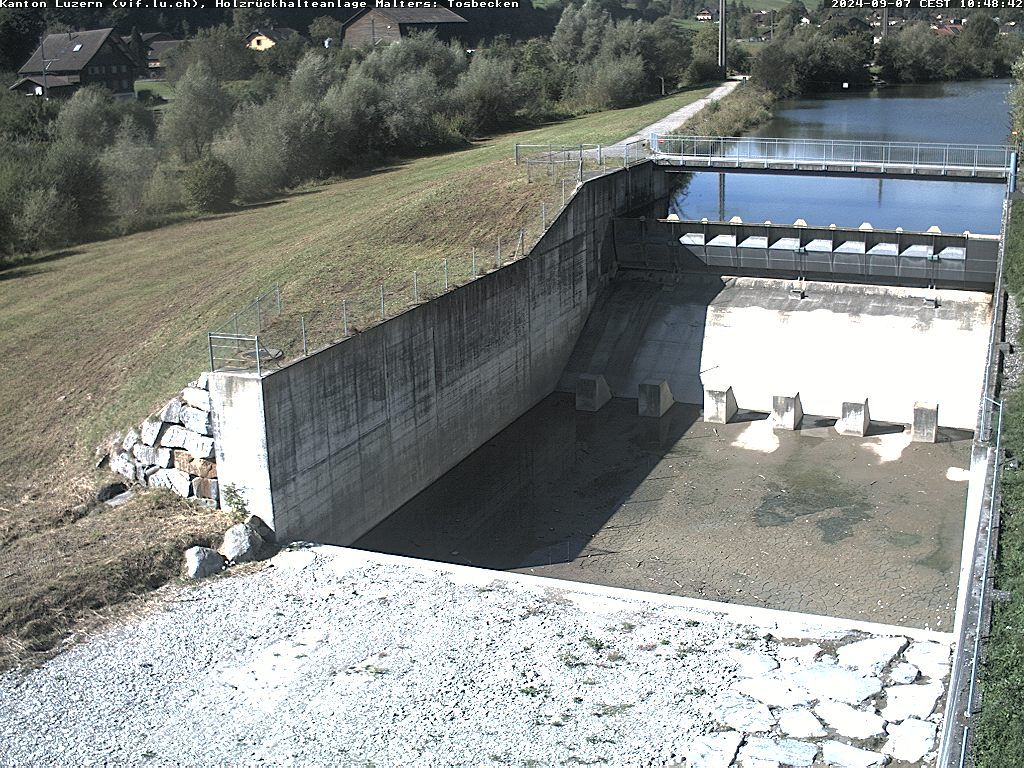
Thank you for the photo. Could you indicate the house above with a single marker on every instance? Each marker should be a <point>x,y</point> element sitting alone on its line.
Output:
<point>65,62</point>
<point>705,15</point>
<point>155,46</point>
<point>265,39</point>
<point>372,26</point>
<point>155,56</point>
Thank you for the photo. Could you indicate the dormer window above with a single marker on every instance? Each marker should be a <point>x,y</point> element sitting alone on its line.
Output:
<point>77,48</point>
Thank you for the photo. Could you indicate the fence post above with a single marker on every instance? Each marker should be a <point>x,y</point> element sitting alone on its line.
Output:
<point>344,316</point>
<point>277,291</point>
<point>382,302</point>
<point>474,262</point>
<point>517,153</point>
<point>259,362</point>
<point>259,319</point>
<point>497,255</point>
<point>416,282</point>
<point>543,217</point>
<point>600,157</point>
<point>305,346</point>
<point>446,275</point>
<point>209,340</point>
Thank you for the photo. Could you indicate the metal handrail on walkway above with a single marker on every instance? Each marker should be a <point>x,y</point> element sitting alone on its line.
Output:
<point>987,159</point>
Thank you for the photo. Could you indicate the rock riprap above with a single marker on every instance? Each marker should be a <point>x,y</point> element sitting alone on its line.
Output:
<point>174,448</point>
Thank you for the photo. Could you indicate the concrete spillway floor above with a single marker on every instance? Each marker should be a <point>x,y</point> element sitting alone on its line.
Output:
<point>864,528</point>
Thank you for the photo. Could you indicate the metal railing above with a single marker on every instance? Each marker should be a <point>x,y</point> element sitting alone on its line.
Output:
<point>978,159</point>
<point>584,160</point>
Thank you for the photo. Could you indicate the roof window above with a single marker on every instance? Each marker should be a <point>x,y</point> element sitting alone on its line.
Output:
<point>78,47</point>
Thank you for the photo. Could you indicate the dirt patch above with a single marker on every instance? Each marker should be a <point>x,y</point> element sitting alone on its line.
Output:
<point>61,577</point>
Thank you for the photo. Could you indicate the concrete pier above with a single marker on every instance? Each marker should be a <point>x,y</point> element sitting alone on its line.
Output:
<point>925,427</point>
<point>654,398</point>
<point>856,419</point>
<point>787,412</point>
<point>591,392</point>
<point>719,405</point>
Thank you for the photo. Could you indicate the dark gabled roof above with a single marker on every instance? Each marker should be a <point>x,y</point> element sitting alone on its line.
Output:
<point>436,15</point>
<point>277,34</point>
<point>61,53</point>
<point>161,47</point>
<point>52,81</point>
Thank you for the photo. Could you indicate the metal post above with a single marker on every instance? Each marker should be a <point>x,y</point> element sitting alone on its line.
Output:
<point>382,302</point>
<point>344,316</point>
<point>277,290</point>
<point>305,346</point>
<point>209,340</point>
<point>497,254</point>
<point>543,217</point>
<point>473,257</point>
<point>563,193</point>
<point>600,157</point>
<point>416,284</point>
<point>446,275</point>
<point>517,153</point>
<point>259,362</point>
<point>259,319</point>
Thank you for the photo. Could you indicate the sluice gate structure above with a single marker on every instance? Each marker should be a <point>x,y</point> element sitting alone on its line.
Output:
<point>618,300</point>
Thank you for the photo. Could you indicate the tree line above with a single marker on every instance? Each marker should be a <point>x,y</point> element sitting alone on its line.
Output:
<point>236,130</point>
<point>808,59</point>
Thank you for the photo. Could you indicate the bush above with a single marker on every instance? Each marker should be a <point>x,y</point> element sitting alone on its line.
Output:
<point>46,220</point>
<point>209,185</point>
<point>610,82</point>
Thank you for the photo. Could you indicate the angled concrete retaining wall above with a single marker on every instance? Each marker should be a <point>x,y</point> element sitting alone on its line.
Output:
<point>329,446</point>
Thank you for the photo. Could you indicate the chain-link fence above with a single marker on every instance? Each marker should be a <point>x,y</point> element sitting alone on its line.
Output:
<point>279,327</point>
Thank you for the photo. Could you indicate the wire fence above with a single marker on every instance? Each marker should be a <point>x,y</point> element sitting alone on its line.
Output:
<point>279,327</point>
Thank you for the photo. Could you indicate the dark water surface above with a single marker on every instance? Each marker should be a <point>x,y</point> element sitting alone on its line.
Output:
<point>975,112</point>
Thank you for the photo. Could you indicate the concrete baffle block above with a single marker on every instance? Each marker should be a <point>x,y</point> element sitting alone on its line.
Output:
<point>925,428</point>
<point>856,419</point>
<point>654,397</point>
<point>719,405</point>
<point>787,412</point>
<point>591,392</point>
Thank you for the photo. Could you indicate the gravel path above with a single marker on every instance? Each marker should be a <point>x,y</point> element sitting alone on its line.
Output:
<point>329,656</point>
<point>670,122</point>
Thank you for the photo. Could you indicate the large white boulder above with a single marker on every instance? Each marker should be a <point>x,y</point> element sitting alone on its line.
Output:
<point>910,740</point>
<point>241,544</point>
<point>872,655</point>
<point>714,750</point>
<point>847,721</point>
<point>844,756</point>
<point>903,701</point>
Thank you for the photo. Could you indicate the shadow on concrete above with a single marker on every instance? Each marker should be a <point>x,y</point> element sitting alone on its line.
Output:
<point>539,492</point>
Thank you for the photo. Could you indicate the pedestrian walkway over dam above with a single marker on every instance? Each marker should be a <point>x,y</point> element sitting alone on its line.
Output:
<point>983,162</point>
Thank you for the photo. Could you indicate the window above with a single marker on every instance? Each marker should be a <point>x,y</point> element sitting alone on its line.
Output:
<point>77,48</point>
<point>259,42</point>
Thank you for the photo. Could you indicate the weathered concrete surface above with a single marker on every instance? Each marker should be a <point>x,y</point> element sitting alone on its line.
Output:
<point>719,405</point>
<point>787,412</point>
<point>654,398</point>
<point>925,426</point>
<point>855,419</point>
<point>753,335</point>
<point>332,444</point>
<point>591,393</point>
<point>809,521</point>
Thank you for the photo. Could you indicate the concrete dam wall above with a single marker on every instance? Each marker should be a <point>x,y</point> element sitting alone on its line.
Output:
<point>327,447</point>
<point>842,342</point>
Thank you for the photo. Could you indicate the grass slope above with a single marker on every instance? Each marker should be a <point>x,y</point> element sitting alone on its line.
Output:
<point>94,338</point>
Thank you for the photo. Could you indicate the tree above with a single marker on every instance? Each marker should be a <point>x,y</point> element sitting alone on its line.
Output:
<point>127,166</point>
<point>580,33</point>
<point>325,28</point>
<point>219,48</point>
<point>209,185</point>
<point>488,93</point>
<point>199,110</point>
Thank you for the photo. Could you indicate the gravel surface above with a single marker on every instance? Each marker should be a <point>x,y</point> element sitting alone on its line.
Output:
<point>328,656</point>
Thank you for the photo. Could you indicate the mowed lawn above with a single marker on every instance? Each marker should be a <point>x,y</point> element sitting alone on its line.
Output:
<point>94,338</point>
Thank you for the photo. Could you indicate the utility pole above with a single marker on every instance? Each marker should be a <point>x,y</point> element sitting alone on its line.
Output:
<point>722,35</point>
